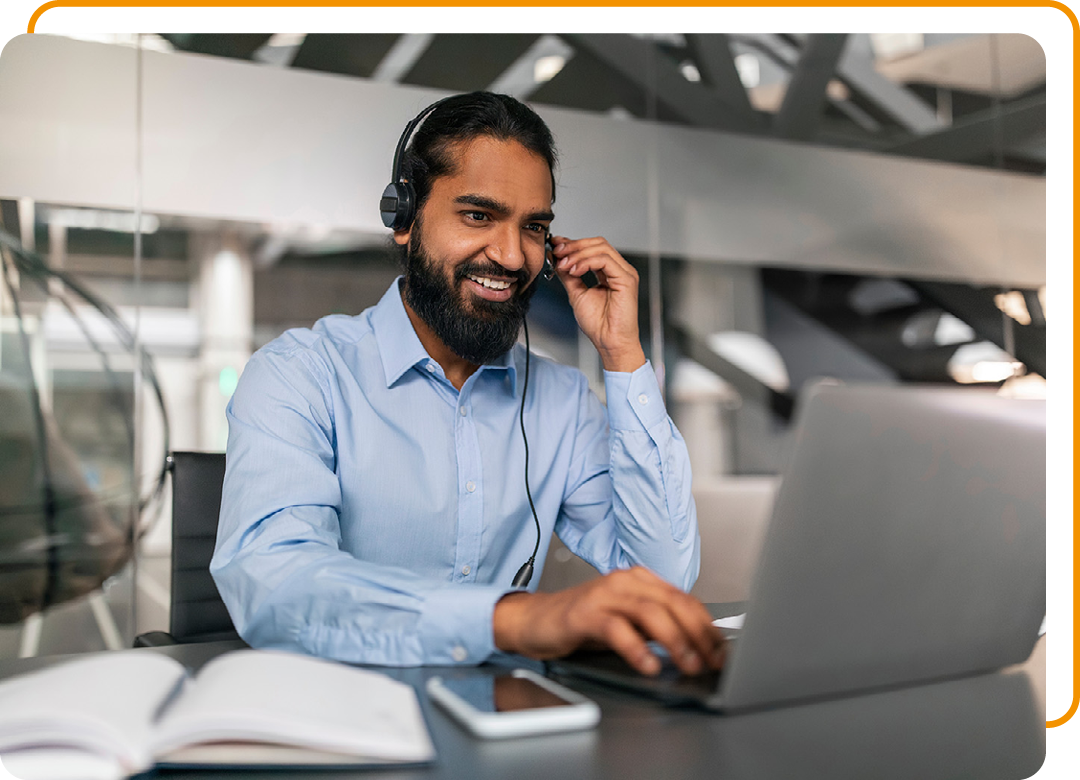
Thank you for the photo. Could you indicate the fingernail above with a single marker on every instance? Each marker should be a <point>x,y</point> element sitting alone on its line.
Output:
<point>691,662</point>
<point>650,665</point>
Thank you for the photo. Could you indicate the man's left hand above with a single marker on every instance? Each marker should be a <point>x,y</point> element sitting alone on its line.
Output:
<point>607,313</point>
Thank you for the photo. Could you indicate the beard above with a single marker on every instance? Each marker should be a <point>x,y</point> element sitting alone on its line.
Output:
<point>474,329</point>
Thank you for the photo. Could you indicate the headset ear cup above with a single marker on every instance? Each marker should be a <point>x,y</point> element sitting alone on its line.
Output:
<point>396,205</point>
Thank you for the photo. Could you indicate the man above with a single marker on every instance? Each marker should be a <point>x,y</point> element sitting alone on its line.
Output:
<point>375,505</point>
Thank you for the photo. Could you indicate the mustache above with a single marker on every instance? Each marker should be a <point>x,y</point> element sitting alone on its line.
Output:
<point>490,269</point>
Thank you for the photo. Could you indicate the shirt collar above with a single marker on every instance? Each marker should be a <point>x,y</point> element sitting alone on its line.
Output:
<point>400,348</point>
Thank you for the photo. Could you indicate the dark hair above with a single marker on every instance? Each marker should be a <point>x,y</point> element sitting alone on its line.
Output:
<point>463,118</point>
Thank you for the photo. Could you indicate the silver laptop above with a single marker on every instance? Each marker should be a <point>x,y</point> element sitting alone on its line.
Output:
<point>907,544</point>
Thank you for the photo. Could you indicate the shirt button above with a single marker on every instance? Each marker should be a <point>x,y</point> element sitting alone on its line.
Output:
<point>470,486</point>
<point>431,368</point>
<point>466,569</point>
<point>643,399</point>
<point>463,412</point>
<point>459,653</point>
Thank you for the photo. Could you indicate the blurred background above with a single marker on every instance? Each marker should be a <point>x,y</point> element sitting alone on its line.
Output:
<point>849,207</point>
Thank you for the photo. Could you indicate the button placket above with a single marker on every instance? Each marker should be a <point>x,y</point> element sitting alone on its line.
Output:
<point>470,491</point>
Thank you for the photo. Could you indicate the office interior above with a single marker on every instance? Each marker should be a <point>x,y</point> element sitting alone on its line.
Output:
<point>801,208</point>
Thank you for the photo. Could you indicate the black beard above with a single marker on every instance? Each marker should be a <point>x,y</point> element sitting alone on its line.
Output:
<point>474,329</point>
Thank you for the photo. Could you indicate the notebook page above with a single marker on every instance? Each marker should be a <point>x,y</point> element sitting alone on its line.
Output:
<point>100,703</point>
<point>274,696</point>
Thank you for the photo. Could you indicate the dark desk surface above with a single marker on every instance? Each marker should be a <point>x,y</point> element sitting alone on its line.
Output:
<point>989,726</point>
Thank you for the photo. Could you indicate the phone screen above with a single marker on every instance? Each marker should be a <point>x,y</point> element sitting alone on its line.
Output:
<point>504,693</point>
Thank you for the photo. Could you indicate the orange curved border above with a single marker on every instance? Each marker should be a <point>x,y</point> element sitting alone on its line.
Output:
<point>704,4</point>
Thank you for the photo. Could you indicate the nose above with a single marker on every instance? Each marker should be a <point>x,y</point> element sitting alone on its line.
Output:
<point>506,248</point>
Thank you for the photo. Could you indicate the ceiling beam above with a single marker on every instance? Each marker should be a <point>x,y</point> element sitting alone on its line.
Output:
<point>463,62</point>
<point>697,348</point>
<point>978,135</point>
<point>348,54</point>
<point>856,70</point>
<point>712,53</point>
<point>519,79</point>
<point>805,98</point>
<point>690,101</point>
<point>976,307</point>
<point>401,57</point>
<point>239,46</point>
<point>786,54</point>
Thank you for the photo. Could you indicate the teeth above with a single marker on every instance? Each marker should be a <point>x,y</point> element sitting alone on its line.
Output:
<point>490,283</point>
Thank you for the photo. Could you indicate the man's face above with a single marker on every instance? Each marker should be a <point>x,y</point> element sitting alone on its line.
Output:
<point>477,245</point>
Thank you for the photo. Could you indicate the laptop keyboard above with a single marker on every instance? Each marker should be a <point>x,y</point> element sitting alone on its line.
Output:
<point>669,685</point>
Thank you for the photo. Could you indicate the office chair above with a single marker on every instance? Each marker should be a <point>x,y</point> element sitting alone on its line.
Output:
<point>196,611</point>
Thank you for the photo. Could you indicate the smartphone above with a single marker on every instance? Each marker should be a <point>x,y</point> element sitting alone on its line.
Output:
<point>513,705</point>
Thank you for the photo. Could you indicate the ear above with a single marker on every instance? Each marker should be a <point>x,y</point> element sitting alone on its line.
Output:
<point>401,237</point>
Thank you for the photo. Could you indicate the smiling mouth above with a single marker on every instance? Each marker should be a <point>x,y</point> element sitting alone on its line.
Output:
<point>491,284</point>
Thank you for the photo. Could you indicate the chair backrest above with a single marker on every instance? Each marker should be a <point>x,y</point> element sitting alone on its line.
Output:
<point>197,612</point>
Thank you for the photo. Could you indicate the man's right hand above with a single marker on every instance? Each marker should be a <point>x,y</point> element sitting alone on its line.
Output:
<point>622,610</point>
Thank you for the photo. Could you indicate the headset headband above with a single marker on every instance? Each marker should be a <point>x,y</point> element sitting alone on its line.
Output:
<point>406,135</point>
<point>396,205</point>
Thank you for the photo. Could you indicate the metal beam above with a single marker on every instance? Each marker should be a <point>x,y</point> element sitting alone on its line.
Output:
<point>780,51</point>
<point>401,57</point>
<point>856,69</point>
<point>800,113</point>
<point>712,53</point>
<point>980,134</point>
<point>462,62</point>
<point>692,102</point>
<point>519,79</point>
<point>748,386</point>
<point>349,54</point>
<point>976,307</point>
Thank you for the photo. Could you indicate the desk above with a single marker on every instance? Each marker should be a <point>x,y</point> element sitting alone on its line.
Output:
<point>989,726</point>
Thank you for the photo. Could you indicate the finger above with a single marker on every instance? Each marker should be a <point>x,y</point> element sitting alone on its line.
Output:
<point>598,250</point>
<point>564,245</point>
<point>621,274</point>
<point>696,624</point>
<point>619,634</point>
<point>691,615</point>
<point>655,620</point>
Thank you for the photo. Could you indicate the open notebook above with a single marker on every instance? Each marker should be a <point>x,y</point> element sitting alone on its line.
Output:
<point>124,712</point>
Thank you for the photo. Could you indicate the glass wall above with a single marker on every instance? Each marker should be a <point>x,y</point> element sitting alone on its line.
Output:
<point>880,223</point>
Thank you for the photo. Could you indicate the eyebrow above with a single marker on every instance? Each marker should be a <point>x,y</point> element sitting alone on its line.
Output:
<point>501,209</point>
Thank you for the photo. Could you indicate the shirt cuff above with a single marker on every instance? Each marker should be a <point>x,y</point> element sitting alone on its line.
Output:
<point>634,401</point>
<point>457,624</point>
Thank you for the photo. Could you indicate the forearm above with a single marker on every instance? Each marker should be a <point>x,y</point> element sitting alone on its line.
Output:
<point>287,592</point>
<point>653,508</point>
<point>652,504</point>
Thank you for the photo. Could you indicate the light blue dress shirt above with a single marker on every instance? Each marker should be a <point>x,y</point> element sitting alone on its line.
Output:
<point>373,514</point>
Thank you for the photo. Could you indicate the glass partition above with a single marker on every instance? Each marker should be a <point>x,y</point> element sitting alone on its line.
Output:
<point>881,222</point>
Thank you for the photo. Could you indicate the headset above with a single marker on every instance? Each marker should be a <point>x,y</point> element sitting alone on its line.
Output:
<point>397,206</point>
<point>398,203</point>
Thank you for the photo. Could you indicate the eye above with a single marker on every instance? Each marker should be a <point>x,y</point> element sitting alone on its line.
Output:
<point>475,216</point>
<point>536,227</point>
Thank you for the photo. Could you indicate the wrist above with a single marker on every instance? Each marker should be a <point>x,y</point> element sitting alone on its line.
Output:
<point>507,620</point>
<point>625,361</point>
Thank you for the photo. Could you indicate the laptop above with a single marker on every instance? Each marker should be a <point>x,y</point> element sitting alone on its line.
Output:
<point>907,544</point>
